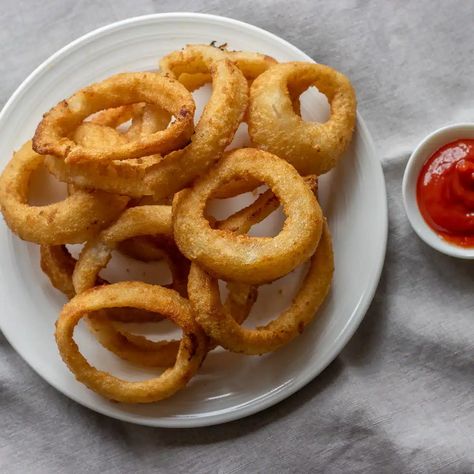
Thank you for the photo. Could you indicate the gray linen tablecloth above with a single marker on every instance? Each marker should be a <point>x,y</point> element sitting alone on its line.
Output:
<point>399,398</point>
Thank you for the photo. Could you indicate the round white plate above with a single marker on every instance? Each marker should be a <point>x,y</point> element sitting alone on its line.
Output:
<point>229,386</point>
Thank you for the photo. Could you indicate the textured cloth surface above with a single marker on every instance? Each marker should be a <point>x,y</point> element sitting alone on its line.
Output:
<point>399,398</point>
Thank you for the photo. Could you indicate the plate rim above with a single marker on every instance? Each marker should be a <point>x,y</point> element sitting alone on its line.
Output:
<point>358,313</point>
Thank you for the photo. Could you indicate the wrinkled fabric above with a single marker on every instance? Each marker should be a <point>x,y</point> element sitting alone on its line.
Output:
<point>399,398</point>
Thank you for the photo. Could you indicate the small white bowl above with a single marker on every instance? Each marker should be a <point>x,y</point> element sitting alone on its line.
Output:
<point>423,151</point>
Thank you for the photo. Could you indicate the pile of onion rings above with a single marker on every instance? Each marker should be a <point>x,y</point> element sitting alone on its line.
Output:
<point>140,175</point>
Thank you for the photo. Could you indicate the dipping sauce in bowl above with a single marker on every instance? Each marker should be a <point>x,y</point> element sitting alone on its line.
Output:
<point>445,192</point>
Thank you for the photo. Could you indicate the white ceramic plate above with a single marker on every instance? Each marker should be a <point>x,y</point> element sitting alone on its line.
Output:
<point>229,386</point>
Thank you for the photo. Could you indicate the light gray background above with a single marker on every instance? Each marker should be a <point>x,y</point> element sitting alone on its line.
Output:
<point>399,398</point>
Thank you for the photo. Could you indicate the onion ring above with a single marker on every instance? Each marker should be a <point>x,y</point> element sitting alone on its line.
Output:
<point>219,325</point>
<point>163,176</point>
<point>142,220</point>
<point>228,101</point>
<point>126,176</point>
<point>252,260</point>
<point>189,65</point>
<point>274,126</point>
<point>73,220</point>
<point>192,348</point>
<point>51,135</point>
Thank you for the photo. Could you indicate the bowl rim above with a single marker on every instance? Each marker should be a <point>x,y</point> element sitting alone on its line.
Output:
<point>413,167</point>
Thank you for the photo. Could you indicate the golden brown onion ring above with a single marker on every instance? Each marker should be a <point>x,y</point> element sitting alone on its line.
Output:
<point>252,260</point>
<point>126,176</point>
<point>191,353</point>
<point>51,136</point>
<point>163,176</point>
<point>73,220</point>
<point>215,130</point>
<point>143,220</point>
<point>136,221</point>
<point>218,324</point>
<point>274,126</point>
<point>189,65</point>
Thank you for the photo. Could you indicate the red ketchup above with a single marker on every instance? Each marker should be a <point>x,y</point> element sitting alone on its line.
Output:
<point>445,192</point>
